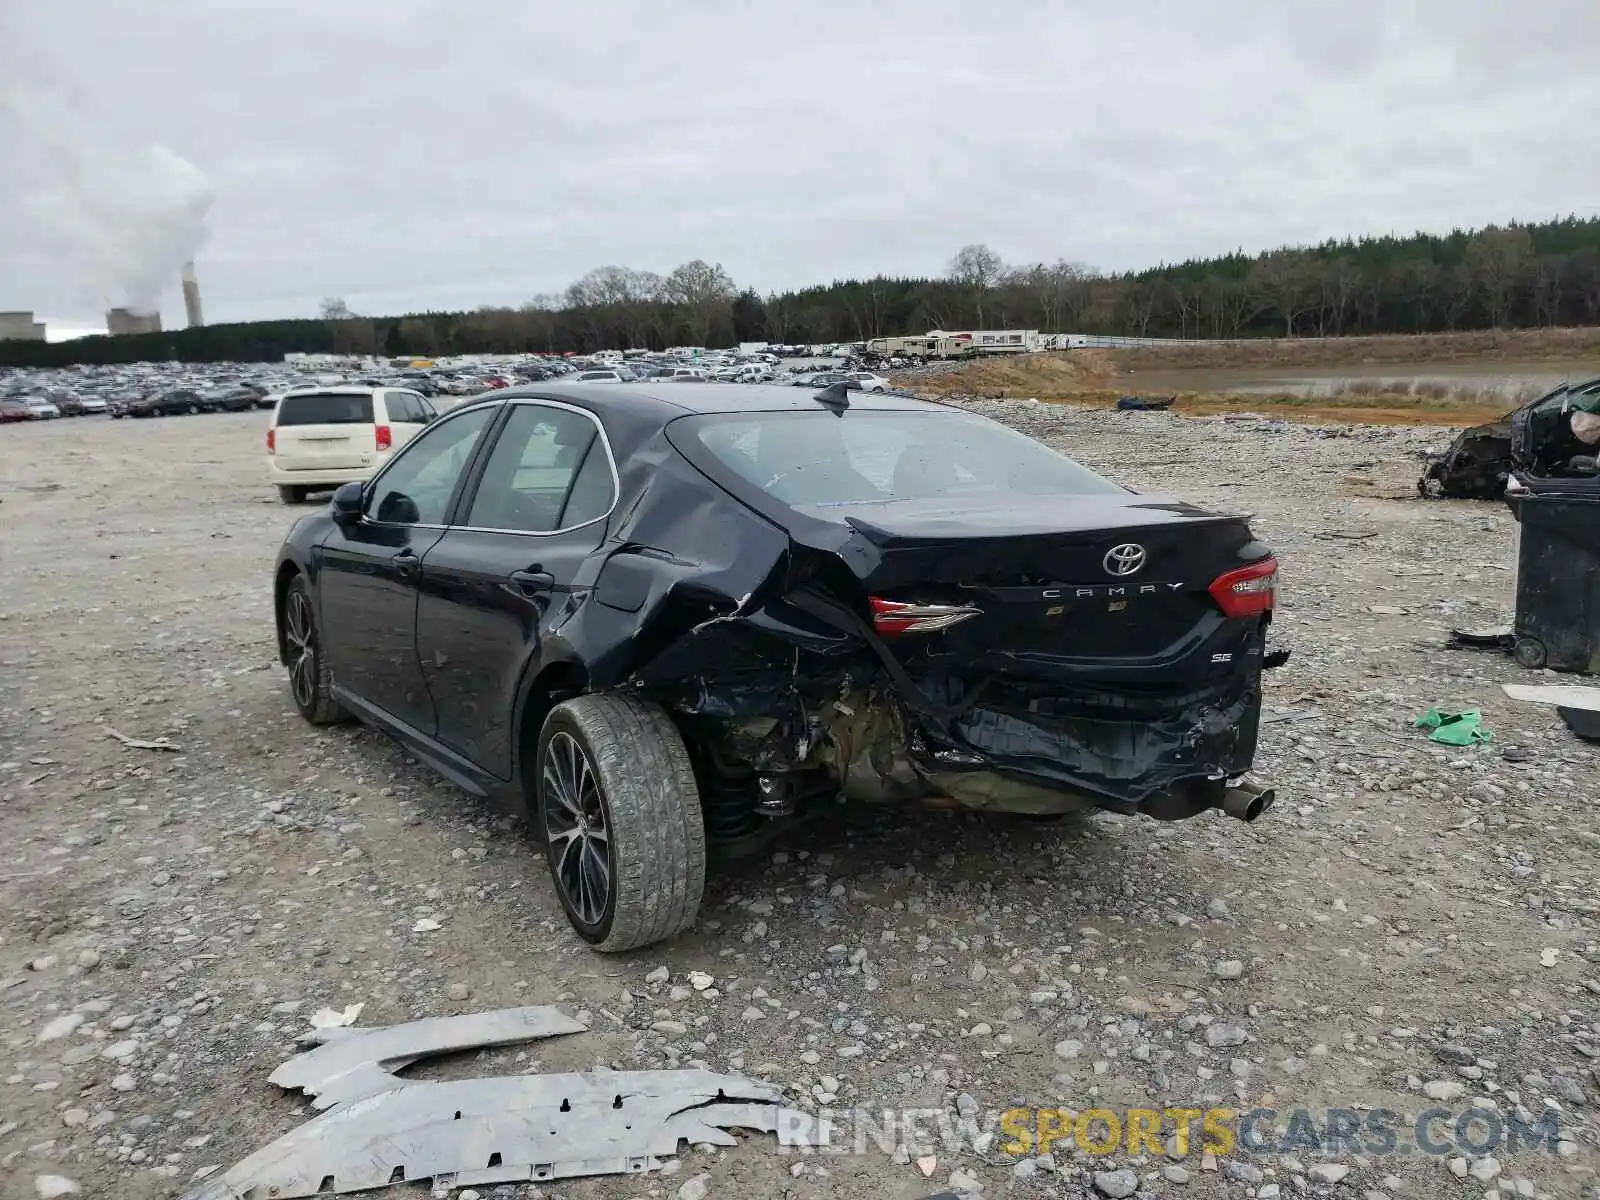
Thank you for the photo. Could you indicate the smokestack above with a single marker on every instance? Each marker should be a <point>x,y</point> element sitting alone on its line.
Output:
<point>191,296</point>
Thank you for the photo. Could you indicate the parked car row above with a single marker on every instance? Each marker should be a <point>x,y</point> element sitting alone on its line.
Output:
<point>141,390</point>
<point>39,408</point>
<point>238,398</point>
<point>137,390</point>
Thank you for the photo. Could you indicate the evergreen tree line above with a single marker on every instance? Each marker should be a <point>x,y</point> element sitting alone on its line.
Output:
<point>1516,276</point>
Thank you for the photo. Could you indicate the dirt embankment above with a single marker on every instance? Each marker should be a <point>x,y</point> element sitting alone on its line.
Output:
<point>1486,346</point>
<point>1085,378</point>
<point>1096,378</point>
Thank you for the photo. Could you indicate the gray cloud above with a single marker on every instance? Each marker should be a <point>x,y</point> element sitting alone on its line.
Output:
<point>412,153</point>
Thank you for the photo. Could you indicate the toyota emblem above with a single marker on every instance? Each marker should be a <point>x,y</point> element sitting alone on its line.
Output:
<point>1126,559</point>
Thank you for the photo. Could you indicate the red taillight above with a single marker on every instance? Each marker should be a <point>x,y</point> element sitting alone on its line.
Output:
<point>272,441</point>
<point>384,435</point>
<point>1247,592</point>
<point>891,618</point>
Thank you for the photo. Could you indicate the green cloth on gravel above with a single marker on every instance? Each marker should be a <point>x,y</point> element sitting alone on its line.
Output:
<point>1454,728</point>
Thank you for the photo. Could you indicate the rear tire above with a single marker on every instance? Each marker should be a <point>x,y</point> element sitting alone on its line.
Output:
<point>310,681</point>
<point>612,778</point>
<point>292,495</point>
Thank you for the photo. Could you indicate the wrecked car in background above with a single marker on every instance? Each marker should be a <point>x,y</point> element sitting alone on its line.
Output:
<point>659,619</point>
<point>1558,435</point>
<point>1475,466</point>
<point>1478,463</point>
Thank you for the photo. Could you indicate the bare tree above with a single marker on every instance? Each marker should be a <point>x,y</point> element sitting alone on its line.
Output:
<point>1183,295</point>
<point>1338,282</point>
<point>1073,285</point>
<point>1496,261</point>
<point>1136,301</point>
<point>876,292</point>
<point>1545,288</point>
<point>1282,280</point>
<point>1585,267</point>
<point>1031,286</point>
<point>1417,279</point>
<point>976,269</point>
<point>1455,295</point>
<point>780,315</point>
<point>703,293</point>
<point>335,309</point>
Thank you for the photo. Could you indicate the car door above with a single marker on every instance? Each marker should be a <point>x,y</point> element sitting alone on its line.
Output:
<point>368,571</point>
<point>502,578</point>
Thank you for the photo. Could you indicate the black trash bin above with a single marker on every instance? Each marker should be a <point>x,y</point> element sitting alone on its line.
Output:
<point>1558,573</point>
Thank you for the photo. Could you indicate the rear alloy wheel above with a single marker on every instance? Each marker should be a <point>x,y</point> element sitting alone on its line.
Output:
<point>310,681</point>
<point>619,811</point>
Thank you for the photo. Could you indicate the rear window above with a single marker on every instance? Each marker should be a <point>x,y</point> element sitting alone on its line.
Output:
<point>326,408</point>
<point>809,458</point>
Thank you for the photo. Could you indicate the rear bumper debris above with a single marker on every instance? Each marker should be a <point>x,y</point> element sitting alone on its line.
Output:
<point>382,1129</point>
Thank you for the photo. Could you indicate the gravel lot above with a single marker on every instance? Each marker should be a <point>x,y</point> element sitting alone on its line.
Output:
<point>1412,922</point>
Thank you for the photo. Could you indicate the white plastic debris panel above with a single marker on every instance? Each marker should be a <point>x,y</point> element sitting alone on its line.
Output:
<point>380,1129</point>
<point>351,1063</point>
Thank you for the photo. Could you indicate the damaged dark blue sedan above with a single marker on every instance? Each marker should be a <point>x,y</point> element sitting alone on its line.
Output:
<point>666,620</point>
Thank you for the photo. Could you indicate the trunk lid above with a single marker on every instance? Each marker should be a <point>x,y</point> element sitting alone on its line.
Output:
<point>1086,578</point>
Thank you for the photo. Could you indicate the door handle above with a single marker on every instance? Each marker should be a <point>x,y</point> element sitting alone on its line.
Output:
<point>405,564</point>
<point>531,583</point>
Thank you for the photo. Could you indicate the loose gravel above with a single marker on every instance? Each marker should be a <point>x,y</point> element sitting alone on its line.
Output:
<point>1413,926</point>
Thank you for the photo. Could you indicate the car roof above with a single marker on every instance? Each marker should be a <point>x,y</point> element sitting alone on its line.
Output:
<point>667,401</point>
<point>339,389</point>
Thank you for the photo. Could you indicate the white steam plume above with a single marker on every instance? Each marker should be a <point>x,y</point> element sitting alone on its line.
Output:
<point>131,215</point>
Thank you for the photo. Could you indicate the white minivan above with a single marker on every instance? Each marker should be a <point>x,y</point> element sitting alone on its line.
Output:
<point>322,437</point>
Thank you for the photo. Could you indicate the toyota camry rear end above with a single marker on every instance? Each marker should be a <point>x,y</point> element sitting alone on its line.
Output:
<point>941,610</point>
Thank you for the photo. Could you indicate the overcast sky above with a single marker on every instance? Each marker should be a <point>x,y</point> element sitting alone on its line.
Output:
<point>408,154</point>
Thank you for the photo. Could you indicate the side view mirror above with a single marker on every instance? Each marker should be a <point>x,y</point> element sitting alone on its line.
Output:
<point>348,501</point>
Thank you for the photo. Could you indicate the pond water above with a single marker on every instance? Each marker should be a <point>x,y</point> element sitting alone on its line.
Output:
<point>1508,380</point>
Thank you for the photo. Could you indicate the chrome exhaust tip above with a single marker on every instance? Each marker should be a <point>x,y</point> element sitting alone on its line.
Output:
<point>1247,801</point>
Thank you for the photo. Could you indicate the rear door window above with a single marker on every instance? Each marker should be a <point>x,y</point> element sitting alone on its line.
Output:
<point>405,408</point>
<point>548,471</point>
<point>326,408</point>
